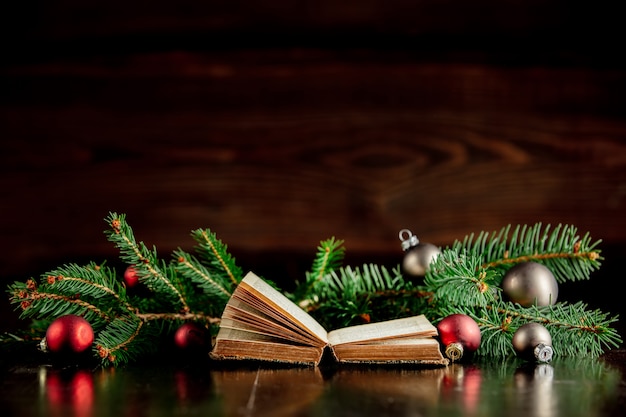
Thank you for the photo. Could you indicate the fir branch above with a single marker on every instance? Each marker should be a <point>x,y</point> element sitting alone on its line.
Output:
<point>329,256</point>
<point>88,287</point>
<point>465,279</point>
<point>191,269</point>
<point>460,279</point>
<point>587,332</point>
<point>567,255</point>
<point>215,253</point>
<point>350,296</point>
<point>146,262</point>
<point>495,328</point>
<point>575,330</point>
<point>113,344</point>
<point>95,282</point>
<point>43,305</point>
<point>44,302</point>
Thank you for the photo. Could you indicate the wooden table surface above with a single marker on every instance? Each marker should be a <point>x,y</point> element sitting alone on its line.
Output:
<point>565,387</point>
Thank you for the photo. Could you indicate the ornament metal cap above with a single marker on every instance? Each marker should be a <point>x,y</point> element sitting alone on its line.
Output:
<point>454,351</point>
<point>409,241</point>
<point>43,345</point>
<point>543,353</point>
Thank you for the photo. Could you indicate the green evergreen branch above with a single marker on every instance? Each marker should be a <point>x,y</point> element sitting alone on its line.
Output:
<point>191,269</point>
<point>145,261</point>
<point>127,337</point>
<point>465,278</point>
<point>575,330</point>
<point>567,255</point>
<point>43,303</point>
<point>215,253</point>
<point>126,324</point>
<point>95,282</point>
<point>329,256</point>
<point>114,344</point>
<point>88,288</point>
<point>459,278</point>
<point>348,296</point>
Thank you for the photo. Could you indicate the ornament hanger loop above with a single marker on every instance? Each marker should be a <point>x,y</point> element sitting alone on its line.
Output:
<point>408,241</point>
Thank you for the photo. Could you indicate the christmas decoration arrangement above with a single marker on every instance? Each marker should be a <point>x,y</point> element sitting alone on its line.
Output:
<point>491,294</point>
<point>260,323</point>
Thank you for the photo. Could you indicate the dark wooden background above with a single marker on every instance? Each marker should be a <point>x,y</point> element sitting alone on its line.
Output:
<point>278,124</point>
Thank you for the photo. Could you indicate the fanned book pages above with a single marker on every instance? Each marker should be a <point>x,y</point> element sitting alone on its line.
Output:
<point>260,323</point>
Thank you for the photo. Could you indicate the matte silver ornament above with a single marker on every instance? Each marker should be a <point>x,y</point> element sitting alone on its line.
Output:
<point>532,341</point>
<point>418,256</point>
<point>530,283</point>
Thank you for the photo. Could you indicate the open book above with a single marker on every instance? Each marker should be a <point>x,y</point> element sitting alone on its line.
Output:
<point>260,323</point>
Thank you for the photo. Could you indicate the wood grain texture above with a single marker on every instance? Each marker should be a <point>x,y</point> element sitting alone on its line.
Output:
<point>277,153</point>
<point>281,124</point>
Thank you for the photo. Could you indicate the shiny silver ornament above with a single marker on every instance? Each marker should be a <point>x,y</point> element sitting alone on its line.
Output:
<point>532,341</point>
<point>530,283</point>
<point>418,256</point>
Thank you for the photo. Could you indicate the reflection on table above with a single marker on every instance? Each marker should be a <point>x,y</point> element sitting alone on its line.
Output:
<point>563,388</point>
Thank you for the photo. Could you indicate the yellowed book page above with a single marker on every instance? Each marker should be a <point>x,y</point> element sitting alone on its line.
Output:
<point>245,299</point>
<point>245,320</point>
<point>235,344</point>
<point>251,318</point>
<point>395,342</point>
<point>280,302</point>
<point>288,337</point>
<point>404,327</point>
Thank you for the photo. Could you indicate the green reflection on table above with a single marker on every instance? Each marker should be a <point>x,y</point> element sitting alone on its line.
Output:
<point>563,388</point>
<point>566,387</point>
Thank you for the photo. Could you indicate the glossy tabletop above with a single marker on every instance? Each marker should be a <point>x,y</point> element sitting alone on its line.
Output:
<point>565,387</point>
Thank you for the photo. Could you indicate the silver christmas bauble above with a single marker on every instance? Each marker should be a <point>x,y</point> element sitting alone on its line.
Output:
<point>533,341</point>
<point>530,283</point>
<point>418,256</point>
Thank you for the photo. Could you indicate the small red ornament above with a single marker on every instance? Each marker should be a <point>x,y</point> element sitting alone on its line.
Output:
<point>69,334</point>
<point>191,337</point>
<point>460,335</point>
<point>130,276</point>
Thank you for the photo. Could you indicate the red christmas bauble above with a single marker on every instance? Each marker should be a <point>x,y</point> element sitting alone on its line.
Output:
<point>69,334</point>
<point>191,337</point>
<point>459,334</point>
<point>130,276</point>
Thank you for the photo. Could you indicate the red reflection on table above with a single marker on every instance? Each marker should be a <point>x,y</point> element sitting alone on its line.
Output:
<point>464,380</point>
<point>70,392</point>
